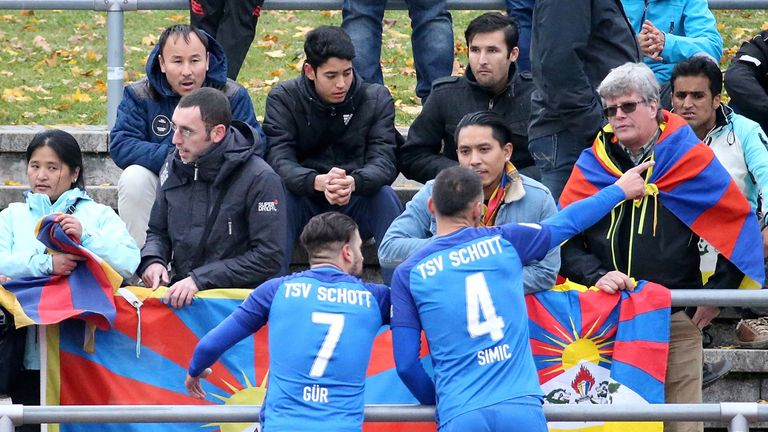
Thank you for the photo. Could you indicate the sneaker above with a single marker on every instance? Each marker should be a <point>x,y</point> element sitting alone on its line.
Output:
<point>753,333</point>
<point>715,371</point>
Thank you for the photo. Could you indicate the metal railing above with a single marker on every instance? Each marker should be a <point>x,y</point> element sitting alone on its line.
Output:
<point>738,415</point>
<point>116,22</point>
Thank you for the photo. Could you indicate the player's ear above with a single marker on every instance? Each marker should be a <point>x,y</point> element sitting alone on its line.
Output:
<point>346,253</point>
<point>477,211</point>
<point>430,205</point>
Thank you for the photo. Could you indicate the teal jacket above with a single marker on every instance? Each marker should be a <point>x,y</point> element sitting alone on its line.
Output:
<point>689,28</point>
<point>104,233</point>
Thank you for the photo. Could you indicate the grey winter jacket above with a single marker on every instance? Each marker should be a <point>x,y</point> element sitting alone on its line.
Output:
<point>244,245</point>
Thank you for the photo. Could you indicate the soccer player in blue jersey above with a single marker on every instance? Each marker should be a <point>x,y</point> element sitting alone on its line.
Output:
<point>465,290</point>
<point>322,323</point>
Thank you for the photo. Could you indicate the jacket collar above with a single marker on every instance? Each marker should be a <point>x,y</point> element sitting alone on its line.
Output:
<point>514,189</point>
<point>307,89</point>
<point>510,88</point>
<point>218,162</point>
<point>40,204</point>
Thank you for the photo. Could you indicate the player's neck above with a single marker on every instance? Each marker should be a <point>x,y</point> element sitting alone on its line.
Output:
<point>449,225</point>
<point>322,263</point>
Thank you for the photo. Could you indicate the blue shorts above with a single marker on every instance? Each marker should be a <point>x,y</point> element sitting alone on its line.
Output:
<point>523,414</point>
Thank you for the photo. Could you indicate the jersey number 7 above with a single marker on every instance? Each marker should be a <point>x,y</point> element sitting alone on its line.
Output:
<point>479,301</point>
<point>336,323</point>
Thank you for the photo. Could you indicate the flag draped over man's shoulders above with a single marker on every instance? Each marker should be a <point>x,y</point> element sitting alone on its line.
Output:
<point>689,182</point>
<point>591,347</point>
<point>87,293</point>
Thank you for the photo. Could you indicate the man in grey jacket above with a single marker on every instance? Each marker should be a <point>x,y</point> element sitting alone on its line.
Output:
<point>575,45</point>
<point>218,218</point>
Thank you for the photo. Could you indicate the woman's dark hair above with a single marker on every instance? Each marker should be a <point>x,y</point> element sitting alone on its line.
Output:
<point>66,148</point>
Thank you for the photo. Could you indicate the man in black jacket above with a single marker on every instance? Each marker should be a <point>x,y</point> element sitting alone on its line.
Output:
<point>219,213</point>
<point>332,140</point>
<point>746,80</point>
<point>489,83</point>
<point>575,45</point>
<point>657,240</point>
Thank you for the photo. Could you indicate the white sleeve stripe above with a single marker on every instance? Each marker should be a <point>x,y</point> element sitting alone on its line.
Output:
<point>530,225</point>
<point>749,59</point>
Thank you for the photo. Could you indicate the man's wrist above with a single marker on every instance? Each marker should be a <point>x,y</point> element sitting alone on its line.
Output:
<point>320,182</point>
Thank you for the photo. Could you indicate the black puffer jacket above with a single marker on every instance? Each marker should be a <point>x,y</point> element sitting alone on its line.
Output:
<point>244,245</point>
<point>430,146</point>
<point>307,137</point>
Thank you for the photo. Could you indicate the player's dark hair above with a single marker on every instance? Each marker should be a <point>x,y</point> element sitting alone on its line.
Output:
<point>183,30</point>
<point>66,148</point>
<point>490,22</point>
<point>213,104</point>
<point>499,129</point>
<point>325,42</point>
<point>700,66</point>
<point>455,188</point>
<point>327,232</point>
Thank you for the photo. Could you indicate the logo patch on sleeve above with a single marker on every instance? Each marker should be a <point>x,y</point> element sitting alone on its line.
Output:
<point>161,125</point>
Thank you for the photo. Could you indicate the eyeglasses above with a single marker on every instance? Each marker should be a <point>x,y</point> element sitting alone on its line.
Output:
<point>626,108</point>
<point>185,131</point>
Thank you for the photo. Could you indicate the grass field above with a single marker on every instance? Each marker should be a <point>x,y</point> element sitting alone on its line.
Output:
<point>53,63</point>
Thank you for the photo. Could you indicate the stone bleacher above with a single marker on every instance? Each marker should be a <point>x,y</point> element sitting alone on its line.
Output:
<point>747,383</point>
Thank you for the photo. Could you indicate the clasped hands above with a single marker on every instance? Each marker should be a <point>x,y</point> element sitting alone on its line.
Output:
<point>336,185</point>
<point>651,41</point>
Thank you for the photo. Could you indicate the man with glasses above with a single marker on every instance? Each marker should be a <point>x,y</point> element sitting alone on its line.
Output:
<point>218,218</point>
<point>184,59</point>
<point>690,196</point>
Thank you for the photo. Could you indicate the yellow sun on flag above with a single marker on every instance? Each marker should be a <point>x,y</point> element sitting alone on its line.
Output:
<point>249,395</point>
<point>574,348</point>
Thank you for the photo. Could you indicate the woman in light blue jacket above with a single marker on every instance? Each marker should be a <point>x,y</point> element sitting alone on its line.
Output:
<point>55,174</point>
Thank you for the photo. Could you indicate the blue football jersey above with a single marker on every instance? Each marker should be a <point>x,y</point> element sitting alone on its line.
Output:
<point>322,324</point>
<point>465,290</point>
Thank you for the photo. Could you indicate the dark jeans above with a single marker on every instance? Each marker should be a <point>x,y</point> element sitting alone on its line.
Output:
<point>27,392</point>
<point>373,215</point>
<point>431,39</point>
<point>555,156</point>
<point>232,23</point>
<point>522,10</point>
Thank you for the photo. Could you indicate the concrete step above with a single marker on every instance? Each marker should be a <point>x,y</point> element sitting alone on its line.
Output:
<point>101,174</point>
<point>98,166</point>
<point>747,382</point>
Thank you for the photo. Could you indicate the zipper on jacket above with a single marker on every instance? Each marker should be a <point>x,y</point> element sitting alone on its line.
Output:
<point>229,226</point>
<point>195,178</point>
<point>490,104</point>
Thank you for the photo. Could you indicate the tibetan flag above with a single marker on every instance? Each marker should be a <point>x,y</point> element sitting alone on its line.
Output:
<point>164,342</point>
<point>87,293</point>
<point>591,347</point>
<point>687,180</point>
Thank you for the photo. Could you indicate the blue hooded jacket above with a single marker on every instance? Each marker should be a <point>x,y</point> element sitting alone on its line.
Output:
<point>142,133</point>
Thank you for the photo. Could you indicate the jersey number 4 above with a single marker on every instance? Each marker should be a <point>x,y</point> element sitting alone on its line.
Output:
<point>336,323</point>
<point>479,302</point>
